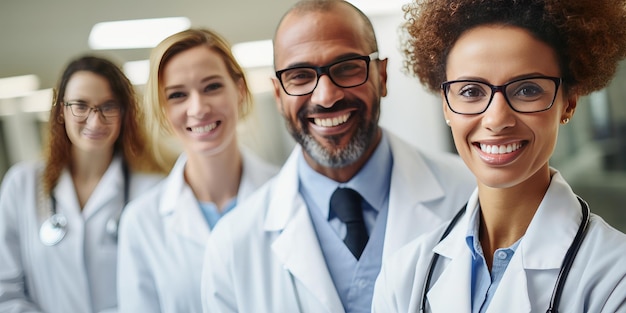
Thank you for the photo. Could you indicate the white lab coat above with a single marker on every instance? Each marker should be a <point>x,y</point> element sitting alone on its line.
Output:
<point>596,283</point>
<point>266,258</point>
<point>162,239</point>
<point>77,274</point>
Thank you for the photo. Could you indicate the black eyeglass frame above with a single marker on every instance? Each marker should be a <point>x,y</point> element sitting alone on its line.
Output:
<point>97,110</point>
<point>445,87</point>
<point>325,70</point>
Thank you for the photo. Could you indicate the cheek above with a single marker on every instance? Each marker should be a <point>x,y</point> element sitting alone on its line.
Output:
<point>171,117</point>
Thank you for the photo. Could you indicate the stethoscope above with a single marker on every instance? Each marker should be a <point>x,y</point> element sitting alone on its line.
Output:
<point>54,228</point>
<point>563,272</point>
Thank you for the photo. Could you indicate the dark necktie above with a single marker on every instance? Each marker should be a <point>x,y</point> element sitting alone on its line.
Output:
<point>346,203</point>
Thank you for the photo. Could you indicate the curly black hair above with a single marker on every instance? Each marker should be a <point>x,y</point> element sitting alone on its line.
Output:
<point>588,36</point>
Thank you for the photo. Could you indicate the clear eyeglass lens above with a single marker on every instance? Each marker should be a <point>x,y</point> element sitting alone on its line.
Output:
<point>83,110</point>
<point>346,74</point>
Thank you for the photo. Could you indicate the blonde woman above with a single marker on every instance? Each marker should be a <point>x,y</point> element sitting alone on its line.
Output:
<point>198,93</point>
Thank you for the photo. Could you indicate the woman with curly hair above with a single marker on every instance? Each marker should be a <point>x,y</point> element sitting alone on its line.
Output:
<point>510,73</point>
<point>59,217</point>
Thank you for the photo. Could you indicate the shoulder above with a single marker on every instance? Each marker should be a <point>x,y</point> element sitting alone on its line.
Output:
<point>143,181</point>
<point>416,250</point>
<point>24,169</point>
<point>402,269</point>
<point>441,163</point>
<point>255,166</point>
<point>247,218</point>
<point>605,240</point>
<point>143,209</point>
<point>22,174</point>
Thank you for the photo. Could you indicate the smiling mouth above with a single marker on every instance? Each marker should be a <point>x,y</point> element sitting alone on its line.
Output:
<point>501,149</point>
<point>204,129</point>
<point>331,122</point>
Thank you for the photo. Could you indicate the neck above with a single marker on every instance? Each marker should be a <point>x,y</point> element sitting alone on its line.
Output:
<point>87,166</point>
<point>87,169</point>
<point>507,212</point>
<point>215,178</point>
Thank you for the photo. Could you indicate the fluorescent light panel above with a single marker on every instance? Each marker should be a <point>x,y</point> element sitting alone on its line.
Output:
<point>133,34</point>
<point>252,54</point>
<point>137,71</point>
<point>17,86</point>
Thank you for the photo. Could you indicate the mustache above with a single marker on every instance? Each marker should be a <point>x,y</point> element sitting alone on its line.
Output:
<point>337,106</point>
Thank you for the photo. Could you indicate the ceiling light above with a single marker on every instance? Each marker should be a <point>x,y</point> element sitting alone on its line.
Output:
<point>18,86</point>
<point>137,71</point>
<point>133,34</point>
<point>253,54</point>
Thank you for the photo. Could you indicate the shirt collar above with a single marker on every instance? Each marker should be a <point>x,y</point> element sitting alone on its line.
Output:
<point>314,183</point>
<point>472,237</point>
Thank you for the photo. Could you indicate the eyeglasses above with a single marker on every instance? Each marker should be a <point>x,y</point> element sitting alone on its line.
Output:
<point>346,73</point>
<point>81,111</point>
<point>526,95</point>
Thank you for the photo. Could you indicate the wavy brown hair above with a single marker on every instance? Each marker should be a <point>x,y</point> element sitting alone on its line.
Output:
<point>588,36</point>
<point>132,142</point>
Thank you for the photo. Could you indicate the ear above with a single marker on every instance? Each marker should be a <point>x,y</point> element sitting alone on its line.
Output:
<point>242,89</point>
<point>382,69</point>
<point>277,90</point>
<point>446,111</point>
<point>570,108</point>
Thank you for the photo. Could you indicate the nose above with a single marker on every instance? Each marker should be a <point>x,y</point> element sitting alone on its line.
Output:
<point>94,116</point>
<point>499,115</point>
<point>326,93</point>
<point>197,106</point>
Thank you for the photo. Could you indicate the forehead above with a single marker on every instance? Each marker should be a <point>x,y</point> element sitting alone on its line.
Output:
<point>319,37</point>
<point>87,85</point>
<point>200,60</point>
<point>499,53</point>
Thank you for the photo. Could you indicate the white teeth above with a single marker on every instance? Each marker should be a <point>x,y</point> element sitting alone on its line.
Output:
<point>500,149</point>
<point>331,122</point>
<point>204,129</point>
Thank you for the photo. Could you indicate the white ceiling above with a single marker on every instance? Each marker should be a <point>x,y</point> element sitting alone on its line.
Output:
<point>40,36</point>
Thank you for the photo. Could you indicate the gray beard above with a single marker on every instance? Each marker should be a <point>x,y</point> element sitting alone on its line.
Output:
<point>358,145</point>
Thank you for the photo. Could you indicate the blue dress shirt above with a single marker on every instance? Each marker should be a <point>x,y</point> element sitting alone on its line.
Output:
<point>353,279</point>
<point>212,214</point>
<point>484,284</point>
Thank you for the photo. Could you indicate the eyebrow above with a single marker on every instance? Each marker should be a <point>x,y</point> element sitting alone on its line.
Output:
<point>80,101</point>
<point>203,80</point>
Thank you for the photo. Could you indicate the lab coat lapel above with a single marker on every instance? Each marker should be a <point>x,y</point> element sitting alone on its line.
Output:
<point>512,293</point>
<point>180,208</point>
<point>110,188</point>
<point>65,194</point>
<point>450,291</point>
<point>296,245</point>
<point>405,204</point>
<point>542,248</point>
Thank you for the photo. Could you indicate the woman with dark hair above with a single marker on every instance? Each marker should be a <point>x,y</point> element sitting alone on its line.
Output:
<point>510,74</point>
<point>59,216</point>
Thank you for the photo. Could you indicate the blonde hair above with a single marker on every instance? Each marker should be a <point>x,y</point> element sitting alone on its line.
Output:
<point>154,98</point>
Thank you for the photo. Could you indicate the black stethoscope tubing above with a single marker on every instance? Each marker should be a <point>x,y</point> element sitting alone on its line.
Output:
<point>58,222</point>
<point>555,300</point>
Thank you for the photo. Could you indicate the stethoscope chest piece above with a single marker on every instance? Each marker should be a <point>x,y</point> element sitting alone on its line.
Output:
<point>53,230</point>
